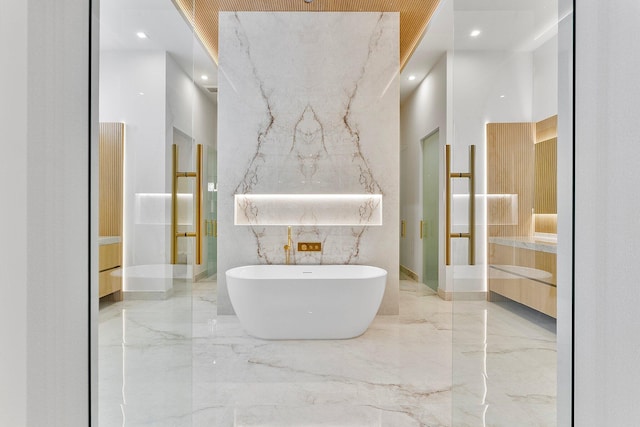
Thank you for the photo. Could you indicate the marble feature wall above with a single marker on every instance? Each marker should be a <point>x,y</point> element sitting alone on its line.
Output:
<point>308,103</point>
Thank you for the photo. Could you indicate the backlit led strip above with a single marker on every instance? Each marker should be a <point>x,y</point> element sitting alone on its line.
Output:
<point>308,209</point>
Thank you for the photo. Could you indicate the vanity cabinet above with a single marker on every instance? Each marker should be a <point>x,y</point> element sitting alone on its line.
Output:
<point>110,271</point>
<point>523,270</point>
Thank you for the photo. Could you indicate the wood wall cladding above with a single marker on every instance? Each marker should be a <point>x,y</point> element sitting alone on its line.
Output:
<point>414,16</point>
<point>546,224</point>
<point>547,128</point>
<point>521,160</point>
<point>546,201</point>
<point>510,170</point>
<point>111,148</point>
<point>546,176</point>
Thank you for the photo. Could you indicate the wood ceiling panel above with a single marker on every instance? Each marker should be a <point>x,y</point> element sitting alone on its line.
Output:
<point>414,16</point>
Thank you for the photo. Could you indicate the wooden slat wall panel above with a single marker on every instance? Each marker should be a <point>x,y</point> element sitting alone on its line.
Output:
<point>110,179</point>
<point>510,170</point>
<point>546,177</point>
<point>547,129</point>
<point>546,224</point>
<point>414,16</point>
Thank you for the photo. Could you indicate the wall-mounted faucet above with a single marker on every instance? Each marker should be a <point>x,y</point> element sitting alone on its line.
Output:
<point>288,246</point>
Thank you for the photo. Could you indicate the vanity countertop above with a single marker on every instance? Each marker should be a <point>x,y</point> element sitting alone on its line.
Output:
<point>108,240</point>
<point>526,243</point>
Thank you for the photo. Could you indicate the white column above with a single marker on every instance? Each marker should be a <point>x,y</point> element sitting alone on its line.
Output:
<point>45,237</point>
<point>13,214</point>
<point>607,214</point>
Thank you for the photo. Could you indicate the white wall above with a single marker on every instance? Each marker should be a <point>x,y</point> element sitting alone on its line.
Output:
<point>133,91</point>
<point>607,214</point>
<point>423,112</point>
<point>471,89</point>
<point>169,99</point>
<point>488,86</point>
<point>45,259</point>
<point>545,80</point>
<point>190,110</point>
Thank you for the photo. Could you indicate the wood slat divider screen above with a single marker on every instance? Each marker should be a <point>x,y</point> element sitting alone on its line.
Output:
<point>111,149</point>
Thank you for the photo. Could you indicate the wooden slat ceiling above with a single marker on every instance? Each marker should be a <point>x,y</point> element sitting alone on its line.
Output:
<point>414,16</point>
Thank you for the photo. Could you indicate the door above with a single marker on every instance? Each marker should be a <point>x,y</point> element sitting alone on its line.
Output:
<point>211,213</point>
<point>430,207</point>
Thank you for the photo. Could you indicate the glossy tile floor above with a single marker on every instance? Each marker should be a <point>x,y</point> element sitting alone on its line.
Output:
<point>176,363</point>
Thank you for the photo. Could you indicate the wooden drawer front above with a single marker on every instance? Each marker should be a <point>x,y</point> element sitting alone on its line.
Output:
<point>540,297</point>
<point>110,256</point>
<point>533,294</point>
<point>109,282</point>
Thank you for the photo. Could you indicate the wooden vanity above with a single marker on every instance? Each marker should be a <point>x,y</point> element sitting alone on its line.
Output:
<point>523,270</point>
<point>522,213</point>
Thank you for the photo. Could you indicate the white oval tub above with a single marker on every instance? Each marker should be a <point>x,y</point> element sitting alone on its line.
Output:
<point>306,301</point>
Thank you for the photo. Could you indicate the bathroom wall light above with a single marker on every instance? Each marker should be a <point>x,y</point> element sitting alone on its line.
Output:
<point>308,209</point>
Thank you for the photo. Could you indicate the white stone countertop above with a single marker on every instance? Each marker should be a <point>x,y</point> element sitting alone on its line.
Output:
<point>526,243</point>
<point>108,240</point>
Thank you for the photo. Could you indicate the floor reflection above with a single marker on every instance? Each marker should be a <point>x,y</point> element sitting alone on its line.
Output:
<point>176,363</point>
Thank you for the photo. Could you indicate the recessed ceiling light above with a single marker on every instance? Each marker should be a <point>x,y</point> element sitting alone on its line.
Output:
<point>204,77</point>
<point>141,93</point>
<point>501,96</point>
<point>142,35</point>
<point>475,33</point>
<point>412,77</point>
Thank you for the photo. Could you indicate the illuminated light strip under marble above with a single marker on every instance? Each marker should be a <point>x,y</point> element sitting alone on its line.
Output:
<point>308,209</point>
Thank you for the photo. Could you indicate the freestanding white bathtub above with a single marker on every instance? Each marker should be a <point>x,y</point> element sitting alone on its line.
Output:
<point>306,301</point>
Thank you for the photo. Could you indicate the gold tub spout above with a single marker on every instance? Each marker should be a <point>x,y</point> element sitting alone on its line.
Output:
<point>288,247</point>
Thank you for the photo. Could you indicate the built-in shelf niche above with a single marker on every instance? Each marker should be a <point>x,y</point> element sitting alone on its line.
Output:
<point>308,209</point>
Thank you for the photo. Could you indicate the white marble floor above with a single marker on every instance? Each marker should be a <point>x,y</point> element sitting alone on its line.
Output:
<point>437,363</point>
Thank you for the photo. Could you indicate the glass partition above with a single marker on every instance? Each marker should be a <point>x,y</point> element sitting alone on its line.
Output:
<point>505,102</point>
<point>157,158</point>
<point>466,336</point>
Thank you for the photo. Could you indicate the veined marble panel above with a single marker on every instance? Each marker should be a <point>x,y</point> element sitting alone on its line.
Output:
<point>308,103</point>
